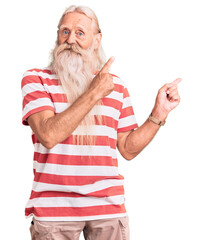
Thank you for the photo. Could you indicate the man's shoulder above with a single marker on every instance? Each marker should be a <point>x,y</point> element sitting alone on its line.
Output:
<point>44,73</point>
<point>39,71</point>
<point>117,80</point>
<point>39,75</point>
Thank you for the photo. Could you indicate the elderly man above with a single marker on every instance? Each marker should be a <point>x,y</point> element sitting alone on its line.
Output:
<point>79,113</point>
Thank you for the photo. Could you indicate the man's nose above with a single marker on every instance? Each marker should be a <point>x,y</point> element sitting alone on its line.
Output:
<point>71,38</point>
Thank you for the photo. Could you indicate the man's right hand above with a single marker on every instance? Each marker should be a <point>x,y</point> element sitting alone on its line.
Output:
<point>102,83</point>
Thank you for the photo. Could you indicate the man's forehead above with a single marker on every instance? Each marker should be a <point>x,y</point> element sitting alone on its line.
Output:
<point>76,19</point>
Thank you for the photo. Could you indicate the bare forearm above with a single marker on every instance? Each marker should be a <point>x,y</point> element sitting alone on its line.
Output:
<point>141,137</point>
<point>60,126</point>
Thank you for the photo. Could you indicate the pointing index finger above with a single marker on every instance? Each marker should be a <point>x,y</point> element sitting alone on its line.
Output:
<point>169,85</point>
<point>175,82</point>
<point>107,65</point>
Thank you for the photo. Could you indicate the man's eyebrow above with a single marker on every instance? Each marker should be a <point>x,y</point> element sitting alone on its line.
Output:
<point>63,26</point>
<point>78,26</point>
<point>82,27</point>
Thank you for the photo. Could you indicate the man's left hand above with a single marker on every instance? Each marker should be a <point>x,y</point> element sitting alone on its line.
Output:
<point>167,99</point>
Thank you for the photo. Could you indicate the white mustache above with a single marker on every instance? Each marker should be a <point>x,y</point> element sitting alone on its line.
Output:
<point>71,47</point>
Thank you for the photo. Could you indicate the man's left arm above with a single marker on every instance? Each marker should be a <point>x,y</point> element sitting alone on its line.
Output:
<point>131,143</point>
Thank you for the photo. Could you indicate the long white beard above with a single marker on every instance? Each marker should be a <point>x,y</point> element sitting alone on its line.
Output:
<point>75,68</point>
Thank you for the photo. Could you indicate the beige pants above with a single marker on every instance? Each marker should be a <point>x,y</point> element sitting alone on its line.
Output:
<point>107,229</point>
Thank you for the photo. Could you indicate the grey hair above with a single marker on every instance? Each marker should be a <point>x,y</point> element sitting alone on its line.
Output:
<point>84,10</point>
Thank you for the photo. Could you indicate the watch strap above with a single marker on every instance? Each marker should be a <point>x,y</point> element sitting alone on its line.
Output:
<point>157,121</point>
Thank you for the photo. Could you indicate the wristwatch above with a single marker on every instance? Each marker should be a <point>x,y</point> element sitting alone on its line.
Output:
<point>155,120</point>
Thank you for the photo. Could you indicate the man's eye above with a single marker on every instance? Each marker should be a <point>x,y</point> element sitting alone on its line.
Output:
<point>65,32</point>
<point>80,34</point>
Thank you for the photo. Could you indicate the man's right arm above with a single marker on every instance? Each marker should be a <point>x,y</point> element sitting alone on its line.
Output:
<point>52,129</point>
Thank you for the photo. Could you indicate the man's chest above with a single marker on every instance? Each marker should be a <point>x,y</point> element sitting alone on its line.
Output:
<point>110,107</point>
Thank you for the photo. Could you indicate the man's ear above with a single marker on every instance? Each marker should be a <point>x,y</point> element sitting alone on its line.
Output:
<point>98,38</point>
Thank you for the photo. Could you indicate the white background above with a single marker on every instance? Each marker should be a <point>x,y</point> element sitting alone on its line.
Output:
<point>154,42</point>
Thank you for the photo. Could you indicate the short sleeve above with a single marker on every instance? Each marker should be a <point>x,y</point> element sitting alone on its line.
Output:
<point>127,120</point>
<point>35,97</point>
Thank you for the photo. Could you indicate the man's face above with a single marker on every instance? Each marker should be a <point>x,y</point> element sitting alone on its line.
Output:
<point>76,28</point>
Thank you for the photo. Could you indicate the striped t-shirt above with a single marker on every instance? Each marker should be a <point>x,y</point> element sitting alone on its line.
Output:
<point>76,182</point>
